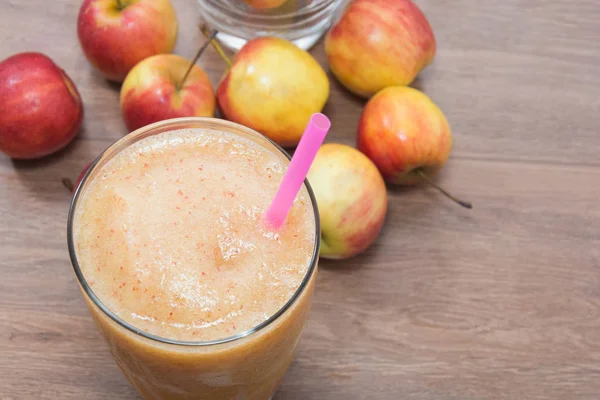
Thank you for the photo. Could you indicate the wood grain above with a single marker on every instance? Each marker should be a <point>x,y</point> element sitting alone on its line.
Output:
<point>502,302</point>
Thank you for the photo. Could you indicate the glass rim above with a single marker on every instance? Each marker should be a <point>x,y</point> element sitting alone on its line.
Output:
<point>107,312</point>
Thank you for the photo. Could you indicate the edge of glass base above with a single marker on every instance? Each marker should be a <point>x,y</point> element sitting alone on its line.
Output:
<point>235,43</point>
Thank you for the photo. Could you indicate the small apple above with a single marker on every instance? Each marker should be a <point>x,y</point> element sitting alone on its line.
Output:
<point>407,137</point>
<point>264,4</point>
<point>40,108</point>
<point>273,87</point>
<point>379,43</point>
<point>404,132</point>
<point>351,197</point>
<point>154,91</point>
<point>117,34</point>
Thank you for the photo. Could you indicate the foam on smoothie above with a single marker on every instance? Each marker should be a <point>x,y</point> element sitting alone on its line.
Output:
<point>169,235</point>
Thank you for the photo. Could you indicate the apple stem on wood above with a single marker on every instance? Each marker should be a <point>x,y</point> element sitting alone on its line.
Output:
<point>200,51</point>
<point>216,46</point>
<point>430,182</point>
<point>68,184</point>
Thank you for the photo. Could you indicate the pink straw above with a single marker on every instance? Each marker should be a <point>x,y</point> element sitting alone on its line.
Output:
<point>311,140</point>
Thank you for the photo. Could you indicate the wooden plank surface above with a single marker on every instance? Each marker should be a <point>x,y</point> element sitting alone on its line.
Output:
<point>501,302</point>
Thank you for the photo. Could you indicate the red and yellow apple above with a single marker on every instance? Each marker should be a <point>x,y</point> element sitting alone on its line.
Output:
<point>351,197</point>
<point>404,133</point>
<point>40,108</point>
<point>264,4</point>
<point>273,87</point>
<point>117,34</point>
<point>379,43</point>
<point>153,91</point>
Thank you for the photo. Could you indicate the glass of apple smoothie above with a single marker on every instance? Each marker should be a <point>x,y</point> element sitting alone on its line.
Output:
<point>196,298</point>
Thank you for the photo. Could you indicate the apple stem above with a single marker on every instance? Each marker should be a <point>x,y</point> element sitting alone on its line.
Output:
<point>430,182</point>
<point>120,5</point>
<point>216,46</point>
<point>68,184</point>
<point>198,54</point>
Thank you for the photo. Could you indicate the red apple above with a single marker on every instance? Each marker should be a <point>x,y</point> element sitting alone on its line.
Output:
<point>351,197</point>
<point>379,43</point>
<point>153,91</point>
<point>117,34</point>
<point>405,134</point>
<point>40,108</point>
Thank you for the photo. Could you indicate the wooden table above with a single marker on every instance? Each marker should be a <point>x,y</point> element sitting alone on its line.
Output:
<point>501,302</point>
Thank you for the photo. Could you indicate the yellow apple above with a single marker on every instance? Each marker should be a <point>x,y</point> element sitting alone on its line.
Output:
<point>273,87</point>
<point>264,4</point>
<point>351,197</point>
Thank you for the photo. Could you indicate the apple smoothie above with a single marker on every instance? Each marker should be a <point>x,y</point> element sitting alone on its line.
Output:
<point>195,296</point>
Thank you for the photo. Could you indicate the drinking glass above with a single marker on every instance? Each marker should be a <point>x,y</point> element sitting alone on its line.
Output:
<point>246,366</point>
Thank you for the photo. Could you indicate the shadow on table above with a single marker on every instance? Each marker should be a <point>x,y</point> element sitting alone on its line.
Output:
<point>42,177</point>
<point>403,203</point>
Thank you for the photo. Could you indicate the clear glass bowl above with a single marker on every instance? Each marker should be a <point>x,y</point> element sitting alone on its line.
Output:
<point>302,22</point>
